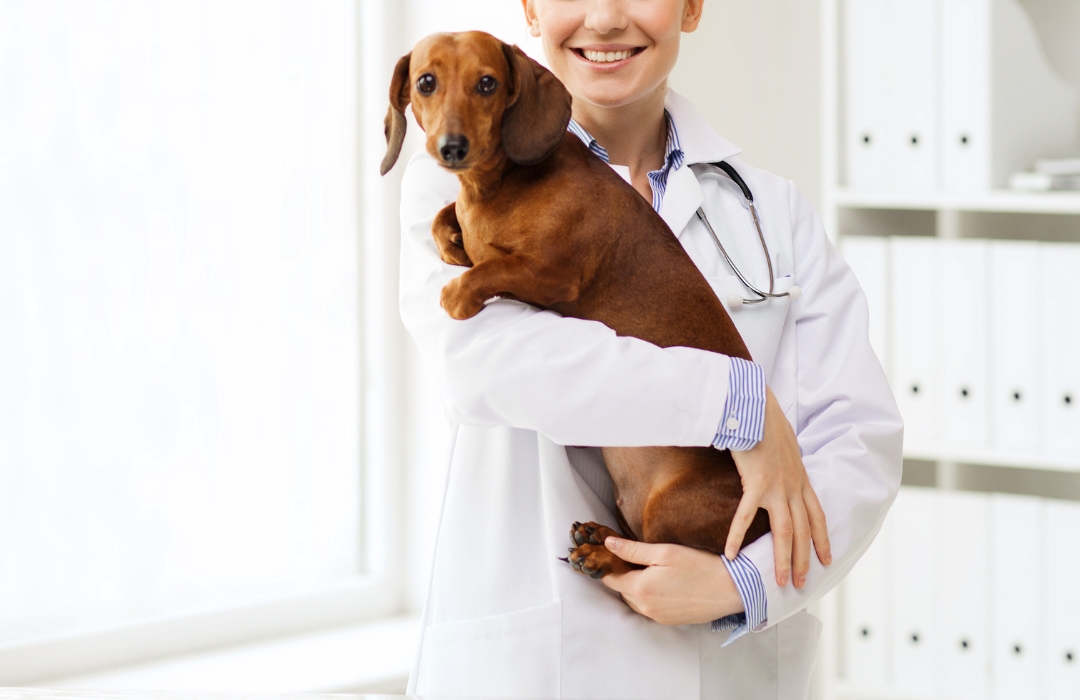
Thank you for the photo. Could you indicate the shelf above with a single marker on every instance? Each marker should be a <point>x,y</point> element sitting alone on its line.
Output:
<point>993,458</point>
<point>994,201</point>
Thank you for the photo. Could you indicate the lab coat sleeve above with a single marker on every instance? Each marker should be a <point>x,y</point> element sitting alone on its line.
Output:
<point>572,380</point>
<point>848,425</point>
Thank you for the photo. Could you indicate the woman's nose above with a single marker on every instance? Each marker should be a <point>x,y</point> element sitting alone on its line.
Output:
<point>605,16</point>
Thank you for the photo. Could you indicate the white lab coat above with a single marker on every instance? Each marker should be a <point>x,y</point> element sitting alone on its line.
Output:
<point>504,616</point>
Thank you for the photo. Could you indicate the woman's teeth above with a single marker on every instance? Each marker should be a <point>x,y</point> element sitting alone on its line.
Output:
<point>607,56</point>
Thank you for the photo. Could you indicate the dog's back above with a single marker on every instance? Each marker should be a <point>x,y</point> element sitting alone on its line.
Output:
<point>576,213</point>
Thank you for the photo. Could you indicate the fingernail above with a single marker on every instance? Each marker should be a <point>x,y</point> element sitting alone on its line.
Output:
<point>783,580</point>
<point>613,543</point>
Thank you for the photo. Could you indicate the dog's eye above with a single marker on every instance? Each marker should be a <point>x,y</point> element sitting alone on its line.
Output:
<point>426,83</point>
<point>487,85</point>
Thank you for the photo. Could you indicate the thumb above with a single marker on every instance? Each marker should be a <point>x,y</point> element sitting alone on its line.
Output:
<point>635,552</point>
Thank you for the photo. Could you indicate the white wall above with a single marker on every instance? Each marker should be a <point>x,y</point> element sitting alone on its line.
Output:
<point>754,68</point>
<point>1058,24</point>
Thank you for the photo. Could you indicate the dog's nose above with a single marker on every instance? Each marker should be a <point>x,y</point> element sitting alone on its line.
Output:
<point>453,148</point>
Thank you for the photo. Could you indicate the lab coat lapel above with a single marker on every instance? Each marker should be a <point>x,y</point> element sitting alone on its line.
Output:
<point>700,144</point>
<point>681,199</point>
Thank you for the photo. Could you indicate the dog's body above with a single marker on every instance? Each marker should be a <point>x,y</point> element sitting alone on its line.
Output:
<point>564,232</point>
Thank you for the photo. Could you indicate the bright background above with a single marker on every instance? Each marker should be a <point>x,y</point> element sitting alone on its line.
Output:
<point>179,326</point>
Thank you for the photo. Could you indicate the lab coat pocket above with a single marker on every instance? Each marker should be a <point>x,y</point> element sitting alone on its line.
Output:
<point>511,655</point>
<point>760,325</point>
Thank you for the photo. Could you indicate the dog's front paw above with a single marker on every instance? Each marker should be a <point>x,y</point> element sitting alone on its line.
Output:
<point>590,533</point>
<point>458,302</point>
<point>453,255</point>
<point>597,561</point>
<point>589,555</point>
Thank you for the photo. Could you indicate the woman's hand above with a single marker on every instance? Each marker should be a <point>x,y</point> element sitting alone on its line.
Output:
<point>774,478</point>
<point>681,585</point>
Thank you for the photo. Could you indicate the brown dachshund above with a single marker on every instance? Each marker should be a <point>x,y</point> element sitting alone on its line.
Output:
<point>541,219</point>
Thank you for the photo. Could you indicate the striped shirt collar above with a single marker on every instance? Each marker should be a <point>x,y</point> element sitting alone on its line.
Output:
<point>673,158</point>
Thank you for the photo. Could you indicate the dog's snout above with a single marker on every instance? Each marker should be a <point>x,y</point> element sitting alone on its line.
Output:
<point>453,148</point>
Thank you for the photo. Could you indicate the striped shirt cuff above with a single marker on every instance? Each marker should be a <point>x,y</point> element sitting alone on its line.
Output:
<point>752,591</point>
<point>743,423</point>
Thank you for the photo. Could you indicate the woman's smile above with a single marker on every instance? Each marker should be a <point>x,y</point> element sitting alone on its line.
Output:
<point>607,57</point>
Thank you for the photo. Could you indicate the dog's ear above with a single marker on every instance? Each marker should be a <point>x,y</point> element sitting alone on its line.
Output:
<point>537,110</point>
<point>395,124</point>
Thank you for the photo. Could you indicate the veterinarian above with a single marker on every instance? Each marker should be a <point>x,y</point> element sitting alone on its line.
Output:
<point>524,387</point>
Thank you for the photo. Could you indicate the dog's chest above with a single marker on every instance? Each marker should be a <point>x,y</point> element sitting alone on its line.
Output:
<point>490,229</point>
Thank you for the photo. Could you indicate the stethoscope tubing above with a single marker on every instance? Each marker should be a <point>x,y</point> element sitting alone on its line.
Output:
<point>730,171</point>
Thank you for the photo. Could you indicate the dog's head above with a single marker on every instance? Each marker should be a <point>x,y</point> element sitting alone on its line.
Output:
<point>472,95</point>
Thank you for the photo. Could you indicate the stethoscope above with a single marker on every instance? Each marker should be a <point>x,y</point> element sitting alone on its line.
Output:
<point>736,300</point>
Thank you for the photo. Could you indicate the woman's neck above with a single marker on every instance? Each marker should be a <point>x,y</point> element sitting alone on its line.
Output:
<point>634,135</point>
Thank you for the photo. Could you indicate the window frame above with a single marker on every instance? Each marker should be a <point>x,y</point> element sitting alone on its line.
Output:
<point>378,591</point>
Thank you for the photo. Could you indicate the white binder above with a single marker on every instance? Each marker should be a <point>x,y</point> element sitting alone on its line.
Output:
<point>866,617</point>
<point>915,643</point>
<point>916,306</point>
<point>1061,376</point>
<point>1003,104</point>
<point>1017,600</point>
<point>868,257</point>
<point>913,134</point>
<point>867,104</point>
<point>965,341</point>
<point>1017,303</point>
<point>1061,654</point>
<point>963,560</point>
<point>965,91</point>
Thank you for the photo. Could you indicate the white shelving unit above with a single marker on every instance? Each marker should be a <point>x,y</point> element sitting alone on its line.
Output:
<point>1053,216</point>
<point>1000,201</point>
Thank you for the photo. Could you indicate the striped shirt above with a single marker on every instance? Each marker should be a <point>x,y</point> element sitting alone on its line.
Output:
<point>743,421</point>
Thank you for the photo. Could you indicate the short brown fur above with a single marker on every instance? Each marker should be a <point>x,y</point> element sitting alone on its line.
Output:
<point>540,219</point>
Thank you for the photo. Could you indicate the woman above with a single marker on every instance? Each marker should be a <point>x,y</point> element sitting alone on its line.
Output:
<point>505,617</point>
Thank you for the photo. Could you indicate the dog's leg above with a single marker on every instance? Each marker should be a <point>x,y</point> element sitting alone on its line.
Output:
<point>447,234</point>
<point>507,276</point>
<point>696,510</point>
<point>590,556</point>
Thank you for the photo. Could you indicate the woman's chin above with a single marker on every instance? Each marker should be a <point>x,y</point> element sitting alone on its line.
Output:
<point>609,96</point>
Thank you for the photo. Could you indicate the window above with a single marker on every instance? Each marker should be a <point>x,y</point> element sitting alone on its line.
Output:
<point>181,333</point>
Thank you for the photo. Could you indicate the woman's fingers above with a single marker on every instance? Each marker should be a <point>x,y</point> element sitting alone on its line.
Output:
<point>780,522</point>
<point>800,548</point>
<point>819,529</point>
<point>637,552</point>
<point>744,515</point>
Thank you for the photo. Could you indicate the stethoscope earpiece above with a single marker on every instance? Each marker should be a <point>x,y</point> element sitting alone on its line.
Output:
<point>735,301</point>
